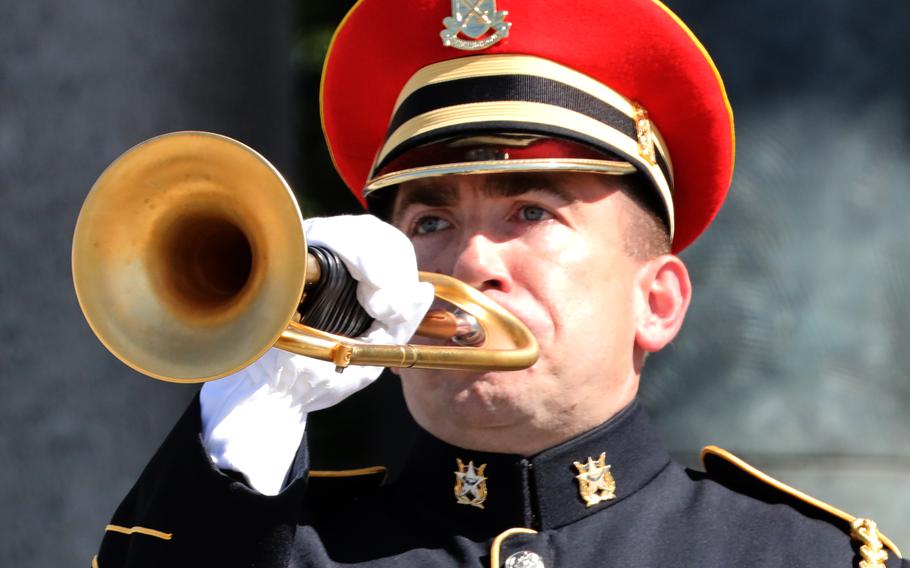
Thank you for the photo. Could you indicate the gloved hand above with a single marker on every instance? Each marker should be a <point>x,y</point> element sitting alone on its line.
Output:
<point>253,421</point>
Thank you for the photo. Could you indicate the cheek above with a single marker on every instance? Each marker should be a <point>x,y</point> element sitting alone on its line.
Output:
<point>432,254</point>
<point>583,284</point>
<point>556,262</point>
<point>564,248</point>
<point>552,271</point>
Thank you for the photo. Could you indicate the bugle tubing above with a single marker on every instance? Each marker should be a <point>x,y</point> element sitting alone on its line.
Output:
<point>190,261</point>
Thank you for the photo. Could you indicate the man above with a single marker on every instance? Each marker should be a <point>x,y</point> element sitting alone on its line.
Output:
<point>554,157</point>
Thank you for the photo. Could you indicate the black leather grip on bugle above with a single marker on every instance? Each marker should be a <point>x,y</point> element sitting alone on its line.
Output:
<point>331,304</point>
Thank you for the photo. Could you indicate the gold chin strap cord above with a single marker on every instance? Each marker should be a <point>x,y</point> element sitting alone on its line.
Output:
<point>872,553</point>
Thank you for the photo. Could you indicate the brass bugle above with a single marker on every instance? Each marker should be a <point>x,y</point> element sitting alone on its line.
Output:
<point>190,262</point>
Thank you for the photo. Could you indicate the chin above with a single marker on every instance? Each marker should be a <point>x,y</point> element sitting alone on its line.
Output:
<point>493,389</point>
<point>488,399</point>
<point>493,392</point>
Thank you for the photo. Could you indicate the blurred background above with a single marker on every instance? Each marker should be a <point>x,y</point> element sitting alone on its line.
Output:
<point>794,355</point>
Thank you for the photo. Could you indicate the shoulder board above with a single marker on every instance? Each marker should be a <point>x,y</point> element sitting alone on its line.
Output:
<point>363,478</point>
<point>729,470</point>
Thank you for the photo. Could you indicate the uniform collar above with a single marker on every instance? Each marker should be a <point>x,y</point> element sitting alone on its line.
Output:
<point>539,492</point>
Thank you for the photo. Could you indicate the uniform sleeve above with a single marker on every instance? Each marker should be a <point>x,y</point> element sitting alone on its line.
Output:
<point>184,511</point>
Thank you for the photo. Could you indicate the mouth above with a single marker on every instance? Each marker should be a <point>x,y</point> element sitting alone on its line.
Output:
<point>500,342</point>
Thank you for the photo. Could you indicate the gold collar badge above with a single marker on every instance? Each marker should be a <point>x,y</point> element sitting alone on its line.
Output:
<point>470,484</point>
<point>595,482</point>
<point>474,25</point>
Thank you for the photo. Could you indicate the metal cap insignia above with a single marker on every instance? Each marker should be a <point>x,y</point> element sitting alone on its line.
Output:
<point>471,23</point>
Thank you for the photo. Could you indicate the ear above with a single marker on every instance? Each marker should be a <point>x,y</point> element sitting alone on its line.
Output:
<point>665,292</point>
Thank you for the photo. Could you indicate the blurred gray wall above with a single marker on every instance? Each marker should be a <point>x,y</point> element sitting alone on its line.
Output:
<point>80,82</point>
<point>793,354</point>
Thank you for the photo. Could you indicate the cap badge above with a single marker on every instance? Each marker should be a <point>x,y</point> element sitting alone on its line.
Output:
<point>470,484</point>
<point>595,482</point>
<point>474,25</point>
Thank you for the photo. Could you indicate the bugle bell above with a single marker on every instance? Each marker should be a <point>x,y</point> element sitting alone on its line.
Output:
<point>190,262</point>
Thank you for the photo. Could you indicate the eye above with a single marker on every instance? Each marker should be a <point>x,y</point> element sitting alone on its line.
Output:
<point>430,224</point>
<point>534,213</point>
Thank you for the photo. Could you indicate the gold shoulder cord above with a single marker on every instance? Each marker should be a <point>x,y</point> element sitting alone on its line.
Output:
<point>874,547</point>
<point>872,553</point>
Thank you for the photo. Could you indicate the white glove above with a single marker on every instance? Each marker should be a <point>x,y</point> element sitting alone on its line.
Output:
<point>253,421</point>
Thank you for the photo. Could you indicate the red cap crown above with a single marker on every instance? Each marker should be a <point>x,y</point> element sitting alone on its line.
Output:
<point>636,48</point>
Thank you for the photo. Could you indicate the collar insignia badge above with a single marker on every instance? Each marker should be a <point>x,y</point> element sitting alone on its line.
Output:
<point>474,25</point>
<point>470,484</point>
<point>595,482</point>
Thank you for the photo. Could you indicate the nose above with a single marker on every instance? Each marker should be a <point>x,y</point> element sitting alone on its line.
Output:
<point>482,263</point>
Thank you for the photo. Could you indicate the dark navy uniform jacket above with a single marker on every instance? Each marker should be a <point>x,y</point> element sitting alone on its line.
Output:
<point>185,512</point>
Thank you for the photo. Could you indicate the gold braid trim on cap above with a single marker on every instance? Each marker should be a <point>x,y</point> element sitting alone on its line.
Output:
<point>872,552</point>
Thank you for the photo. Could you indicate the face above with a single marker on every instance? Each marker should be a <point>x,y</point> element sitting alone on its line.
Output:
<point>550,249</point>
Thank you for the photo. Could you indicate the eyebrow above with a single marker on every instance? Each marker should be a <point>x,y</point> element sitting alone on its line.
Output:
<point>443,194</point>
<point>513,185</point>
<point>430,195</point>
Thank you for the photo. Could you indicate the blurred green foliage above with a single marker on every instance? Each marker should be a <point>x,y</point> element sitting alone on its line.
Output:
<point>358,431</point>
<point>320,189</point>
